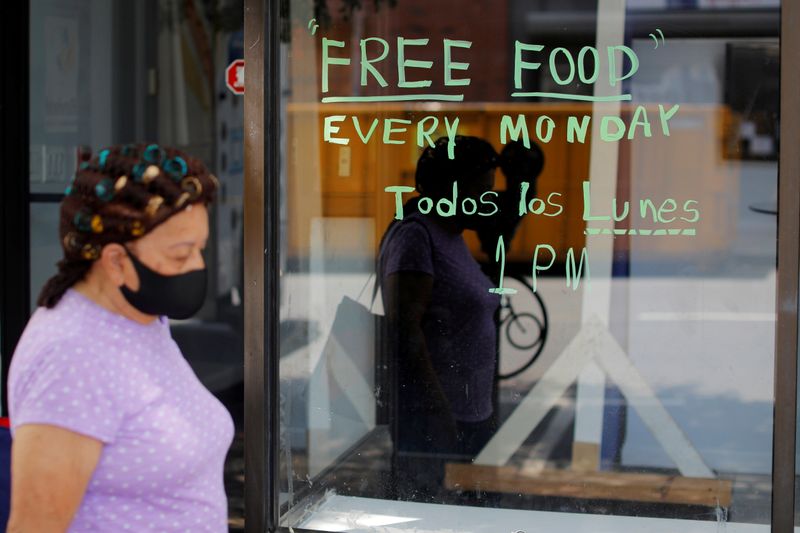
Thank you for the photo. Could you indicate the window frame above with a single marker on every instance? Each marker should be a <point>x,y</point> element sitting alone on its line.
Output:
<point>262,270</point>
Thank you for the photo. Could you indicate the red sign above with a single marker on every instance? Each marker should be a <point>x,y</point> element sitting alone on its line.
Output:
<point>234,76</point>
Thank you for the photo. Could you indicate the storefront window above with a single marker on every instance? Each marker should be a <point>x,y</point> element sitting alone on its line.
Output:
<point>528,263</point>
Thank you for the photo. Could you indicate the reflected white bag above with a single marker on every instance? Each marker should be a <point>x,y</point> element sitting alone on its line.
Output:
<point>354,367</point>
<point>347,367</point>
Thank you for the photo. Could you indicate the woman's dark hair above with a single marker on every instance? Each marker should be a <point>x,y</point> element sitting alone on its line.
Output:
<point>117,196</point>
<point>436,172</point>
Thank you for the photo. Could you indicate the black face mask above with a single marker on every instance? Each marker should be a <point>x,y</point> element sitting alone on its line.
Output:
<point>179,296</point>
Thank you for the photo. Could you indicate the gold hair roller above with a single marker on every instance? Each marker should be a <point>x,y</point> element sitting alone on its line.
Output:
<point>120,183</point>
<point>97,224</point>
<point>150,173</point>
<point>70,241</point>
<point>137,228</point>
<point>90,252</point>
<point>153,205</point>
<point>181,200</point>
<point>192,185</point>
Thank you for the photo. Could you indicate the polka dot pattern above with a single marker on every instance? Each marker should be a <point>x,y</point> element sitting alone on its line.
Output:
<point>86,369</point>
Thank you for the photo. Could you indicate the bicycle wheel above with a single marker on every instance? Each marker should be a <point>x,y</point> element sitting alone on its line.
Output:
<point>524,331</point>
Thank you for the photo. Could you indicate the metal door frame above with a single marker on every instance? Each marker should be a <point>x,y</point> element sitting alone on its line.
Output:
<point>786,339</point>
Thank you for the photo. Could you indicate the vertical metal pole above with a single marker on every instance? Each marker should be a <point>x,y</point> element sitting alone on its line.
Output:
<point>260,265</point>
<point>272,250</point>
<point>783,455</point>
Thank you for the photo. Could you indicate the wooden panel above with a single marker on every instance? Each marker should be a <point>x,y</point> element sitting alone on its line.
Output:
<point>348,205</point>
<point>591,485</point>
<point>585,457</point>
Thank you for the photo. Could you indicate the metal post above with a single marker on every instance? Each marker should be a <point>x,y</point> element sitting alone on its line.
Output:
<point>783,454</point>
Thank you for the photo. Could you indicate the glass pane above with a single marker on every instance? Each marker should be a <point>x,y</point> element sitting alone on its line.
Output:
<point>114,72</point>
<point>569,211</point>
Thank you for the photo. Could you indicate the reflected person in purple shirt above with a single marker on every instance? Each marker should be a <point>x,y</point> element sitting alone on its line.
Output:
<point>441,326</point>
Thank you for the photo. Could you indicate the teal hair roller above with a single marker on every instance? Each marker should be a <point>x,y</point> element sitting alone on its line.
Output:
<point>138,170</point>
<point>104,190</point>
<point>154,154</point>
<point>102,158</point>
<point>176,168</point>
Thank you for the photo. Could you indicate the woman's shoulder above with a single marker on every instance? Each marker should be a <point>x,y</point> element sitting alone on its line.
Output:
<point>66,367</point>
<point>46,329</point>
<point>62,379</point>
<point>64,325</point>
<point>65,338</point>
<point>43,348</point>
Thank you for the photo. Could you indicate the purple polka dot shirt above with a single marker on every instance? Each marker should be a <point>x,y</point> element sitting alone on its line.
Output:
<point>84,368</point>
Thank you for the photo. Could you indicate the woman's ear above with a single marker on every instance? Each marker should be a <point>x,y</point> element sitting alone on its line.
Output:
<point>112,261</point>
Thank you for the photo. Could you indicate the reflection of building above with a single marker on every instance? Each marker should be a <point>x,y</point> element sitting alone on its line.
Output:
<point>418,19</point>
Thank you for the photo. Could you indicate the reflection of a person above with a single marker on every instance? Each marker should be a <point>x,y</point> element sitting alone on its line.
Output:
<point>442,334</point>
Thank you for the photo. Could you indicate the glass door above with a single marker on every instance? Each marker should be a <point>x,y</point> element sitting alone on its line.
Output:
<point>522,265</point>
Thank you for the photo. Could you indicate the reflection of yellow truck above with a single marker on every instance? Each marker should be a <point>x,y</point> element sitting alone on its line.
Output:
<point>329,179</point>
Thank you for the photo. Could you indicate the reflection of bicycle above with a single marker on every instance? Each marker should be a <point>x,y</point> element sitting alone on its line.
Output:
<point>524,331</point>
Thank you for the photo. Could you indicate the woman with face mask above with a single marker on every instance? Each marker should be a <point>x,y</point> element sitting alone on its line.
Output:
<point>112,429</point>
